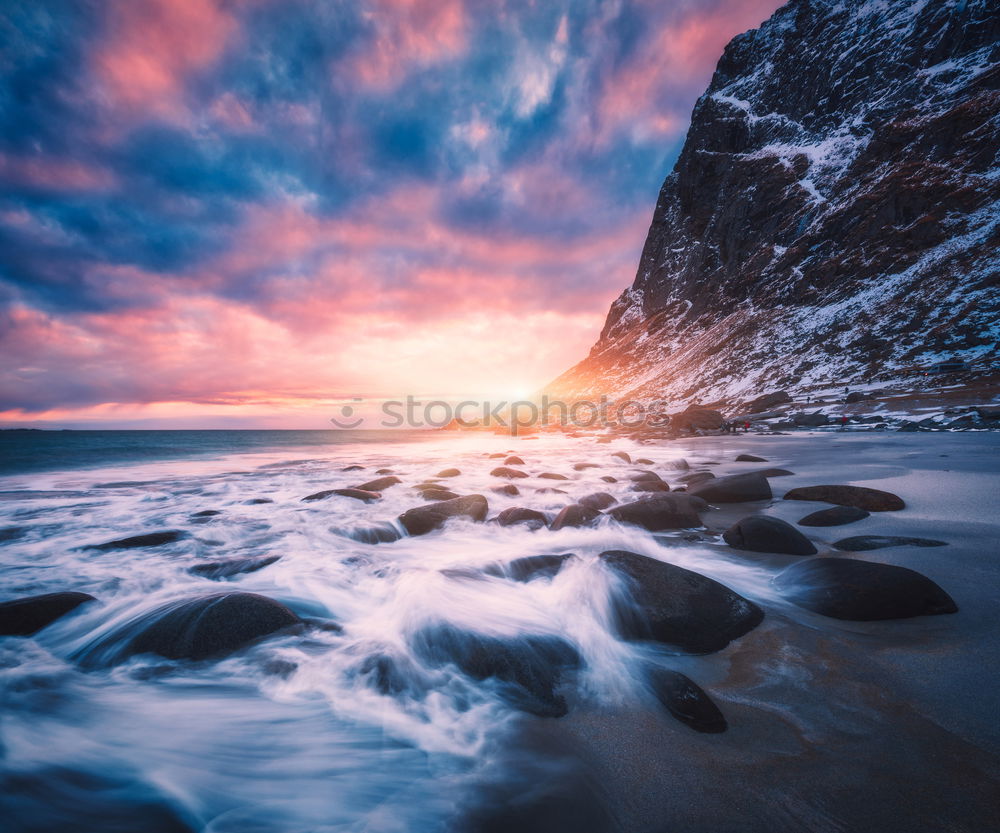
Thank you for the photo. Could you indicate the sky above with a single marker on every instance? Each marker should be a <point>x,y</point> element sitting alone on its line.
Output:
<point>243,212</point>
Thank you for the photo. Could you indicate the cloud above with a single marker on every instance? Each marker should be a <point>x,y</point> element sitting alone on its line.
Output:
<point>235,202</point>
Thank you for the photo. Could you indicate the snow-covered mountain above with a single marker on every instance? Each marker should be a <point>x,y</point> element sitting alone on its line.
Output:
<point>833,217</point>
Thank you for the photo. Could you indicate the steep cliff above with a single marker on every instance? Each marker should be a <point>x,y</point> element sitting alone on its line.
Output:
<point>833,217</point>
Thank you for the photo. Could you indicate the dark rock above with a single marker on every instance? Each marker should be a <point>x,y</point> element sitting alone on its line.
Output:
<point>759,533</point>
<point>357,494</point>
<point>675,465</point>
<point>256,501</point>
<point>196,629</point>
<point>550,492</point>
<point>574,515</point>
<point>548,475</point>
<point>609,479</point>
<point>650,486</point>
<point>678,607</point>
<point>768,401</point>
<point>772,472</point>
<point>834,516</point>
<point>352,468</point>
<point>448,473</point>
<point>207,513</point>
<point>661,512</point>
<point>379,484</point>
<point>856,396</point>
<point>908,426</point>
<point>54,798</point>
<point>528,667</point>
<point>696,477</point>
<point>645,476</point>
<point>232,566</point>
<point>864,543</point>
<point>513,460</point>
<point>750,458</point>
<point>642,461</point>
<point>686,701</point>
<point>380,533</point>
<point>536,566</point>
<point>584,466</point>
<point>438,494</point>
<point>736,488</point>
<point>860,497</point>
<point>383,471</point>
<point>392,675</point>
<point>697,419</point>
<point>11,533</point>
<point>519,515</point>
<point>23,617</point>
<point>621,455</point>
<point>510,474</point>
<point>509,489</point>
<point>810,420</point>
<point>424,519</point>
<point>861,591</point>
<point>597,500</point>
<point>150,539</point>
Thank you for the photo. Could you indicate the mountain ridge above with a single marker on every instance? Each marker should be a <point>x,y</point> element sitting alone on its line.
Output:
<point>833,216</point>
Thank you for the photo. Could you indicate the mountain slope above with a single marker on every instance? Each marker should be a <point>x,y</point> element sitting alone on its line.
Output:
<point>833,217</point>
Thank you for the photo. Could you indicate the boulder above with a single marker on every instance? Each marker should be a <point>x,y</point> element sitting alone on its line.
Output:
<point>256,501</point>
<point>759,533</point>
<point>685,700</point>
<point>622,455</point>
<point>28,615</point>
<point>424,519</point>
<point>448,473</point>
<point>772,472</point>
<point>379,484</point>
<point>862,591</point>
<point>736,488</point>
<point>519,515</point>
<point>536,566</point>
<point>574,515</point>
<point>528,668</point>
<point>834,516</point>
<point>509,489</point>
<point>584,466</point>
<point>750,458</point>
<point>675,465</point>
<point>680,608</point>
<point>864,543</point>
<point>383,471</point>
<point>860,497</point>
<point>232,566</point>
<point>513,460</point>
<point>510,474</point>
<point>696,477</point>
<point>379,533</point>
<point>661,512</point>
<point>607,478</point>
<point>438,494</point>
<point>352,468</point>
<point>196,629</point>
<point>646,476</point>
<point>207,513</point>
<point>769,400</point>
<point>650,486</point>
<point>357,494</point>
<point>643,461</point>
<point>597,500</point>
<point>697,419</point>
<point>149,539</point>
<point>813,420</point>
<point>548,475</point>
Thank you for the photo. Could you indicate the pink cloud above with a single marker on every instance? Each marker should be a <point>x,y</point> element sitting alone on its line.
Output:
<point>407,34</point>
<point>152,48</point>
<point>54,173</point>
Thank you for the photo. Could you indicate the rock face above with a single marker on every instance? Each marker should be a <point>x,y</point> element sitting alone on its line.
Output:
<point>678,607</point>
<point>23,617</point>
<point>860,497</point>
<point>832,216</point>
<point>759,533</point>
<point>861,591</point>
<point>196,629</point>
